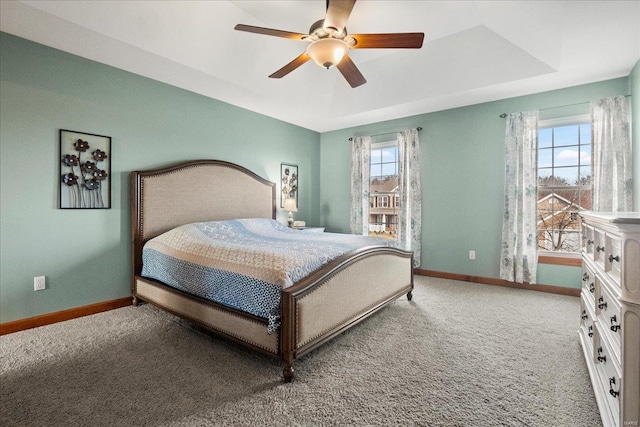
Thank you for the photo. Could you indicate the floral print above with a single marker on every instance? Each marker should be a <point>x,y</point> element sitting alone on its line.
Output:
<point>360,164</point>
<point>410,219</point>
<point>612,163</point>
<point>519,255</point>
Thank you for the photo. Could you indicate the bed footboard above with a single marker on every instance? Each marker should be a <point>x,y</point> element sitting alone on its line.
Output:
<point>339,296</point>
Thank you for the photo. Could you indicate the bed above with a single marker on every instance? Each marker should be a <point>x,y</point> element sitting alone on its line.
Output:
<point>312,310</point>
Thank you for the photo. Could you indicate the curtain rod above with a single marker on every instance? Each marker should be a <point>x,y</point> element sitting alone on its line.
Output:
<point>504,115</point>
<point>387,133</point>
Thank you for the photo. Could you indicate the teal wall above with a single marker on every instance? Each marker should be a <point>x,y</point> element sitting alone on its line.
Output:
<point>462,160</point>
<point>634,90</point>
<point>85,254</point>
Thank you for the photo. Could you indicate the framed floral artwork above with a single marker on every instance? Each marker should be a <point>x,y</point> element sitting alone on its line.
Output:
<point>85,170</point>
<point>289,182</point>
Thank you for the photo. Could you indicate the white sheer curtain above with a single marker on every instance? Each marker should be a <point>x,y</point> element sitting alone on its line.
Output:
<point>612,163</point>
<point>410,218</point>
<point>519,257</point>
<point>360,164</point>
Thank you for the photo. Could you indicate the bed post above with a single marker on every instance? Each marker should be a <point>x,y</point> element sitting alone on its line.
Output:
<point>287,334</point>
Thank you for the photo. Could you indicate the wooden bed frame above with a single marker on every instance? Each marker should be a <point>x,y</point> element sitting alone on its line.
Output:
<point>329,301</point>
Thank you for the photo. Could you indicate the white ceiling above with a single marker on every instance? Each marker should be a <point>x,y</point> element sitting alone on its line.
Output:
<point>474,51</point>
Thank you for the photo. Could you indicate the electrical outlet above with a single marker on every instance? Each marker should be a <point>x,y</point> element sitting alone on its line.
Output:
<point>472,254</point>
<point>39,283</point>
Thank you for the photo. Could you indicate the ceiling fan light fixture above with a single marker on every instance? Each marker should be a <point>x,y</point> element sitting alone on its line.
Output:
<point>327,52</point>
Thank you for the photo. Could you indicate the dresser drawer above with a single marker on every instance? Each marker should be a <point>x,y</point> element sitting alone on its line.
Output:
<point>613,258</point>
<point>587,317</point>
<point>608,374</point>
<point>609,317</point>
<point>589,282</point>
<point>599,247</point>
<point>587,240</point>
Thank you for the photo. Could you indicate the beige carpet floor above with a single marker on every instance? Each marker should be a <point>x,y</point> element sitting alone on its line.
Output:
<point>459,354</point>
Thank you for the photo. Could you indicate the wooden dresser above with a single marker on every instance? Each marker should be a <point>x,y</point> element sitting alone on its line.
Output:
<point>610,313</point>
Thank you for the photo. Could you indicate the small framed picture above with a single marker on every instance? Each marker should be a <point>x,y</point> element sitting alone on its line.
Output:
<point>85,170</point>
<point>289,182</point>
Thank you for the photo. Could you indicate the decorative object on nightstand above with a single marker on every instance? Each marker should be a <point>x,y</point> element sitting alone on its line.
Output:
<point>290,206</point>
<point>610,313</point>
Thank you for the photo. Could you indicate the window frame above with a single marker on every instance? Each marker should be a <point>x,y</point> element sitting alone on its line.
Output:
<point>386,196</point>
<point>557,257</point>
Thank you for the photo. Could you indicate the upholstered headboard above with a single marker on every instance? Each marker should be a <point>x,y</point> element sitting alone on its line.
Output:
<point>202,190</point>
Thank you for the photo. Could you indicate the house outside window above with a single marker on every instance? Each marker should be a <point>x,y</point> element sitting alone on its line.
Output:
<point>383,189</point>
<point>564,182</point>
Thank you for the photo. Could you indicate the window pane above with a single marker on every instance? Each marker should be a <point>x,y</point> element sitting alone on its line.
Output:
<point>565,135</point>
<point>376,156</point>
<point>544,138</point>
<point>585,175</point>
<point>390,154</point>
<point>544,158</point>
<point>566,176</point>
<point>566,156</point>
<point>544,177</point>
<point>545,206</point>
<point>585,154</point>
<point>389,169</point>
<point>585,134</point>
<point>585,200</point>
<point>376,170</point>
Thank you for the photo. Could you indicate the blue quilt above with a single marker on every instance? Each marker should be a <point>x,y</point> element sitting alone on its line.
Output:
<point>244,263</point>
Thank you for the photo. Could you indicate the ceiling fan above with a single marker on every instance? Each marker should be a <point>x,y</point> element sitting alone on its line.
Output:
<point>330,42</point>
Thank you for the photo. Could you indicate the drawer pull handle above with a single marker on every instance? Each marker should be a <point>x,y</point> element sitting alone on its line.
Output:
<point>590,242</point>
<point>614,327</point>
<point>601,358</point>
<point>585,277</point>
<point>599,248</point>
<point>614,258</point>
<point>603,304</point>
<point>612,382</point>
<point>585,316</point>
<point>590,331</point>
<point>592,287</point>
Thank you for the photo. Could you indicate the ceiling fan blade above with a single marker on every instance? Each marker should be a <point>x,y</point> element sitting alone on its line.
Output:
<point>270,32</point>
<point>392,40</point>
<point>338,12</point>
<point>351,72</point>
<point>291,66</point>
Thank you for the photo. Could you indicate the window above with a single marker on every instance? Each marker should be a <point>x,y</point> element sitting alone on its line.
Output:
<point>564,182</point>
<point>383,190</point>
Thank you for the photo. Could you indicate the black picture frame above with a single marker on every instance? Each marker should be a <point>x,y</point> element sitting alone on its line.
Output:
<point>288,182</point>
<point>85,170</point>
